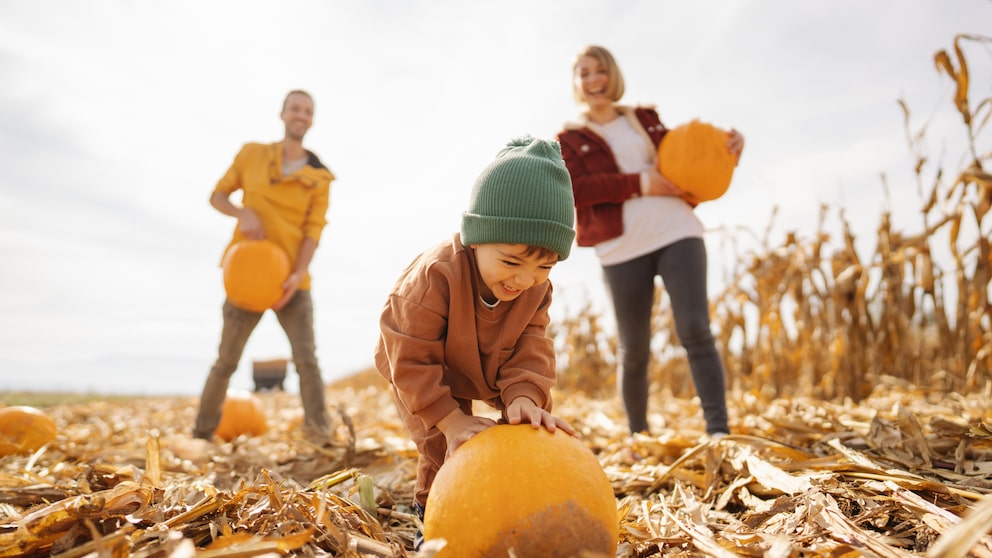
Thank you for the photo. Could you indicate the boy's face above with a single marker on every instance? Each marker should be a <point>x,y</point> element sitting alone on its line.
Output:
<point>508,270</point>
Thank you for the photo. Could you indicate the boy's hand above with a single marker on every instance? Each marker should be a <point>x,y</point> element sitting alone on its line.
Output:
<point>458,428</point>
<point>522,409</point>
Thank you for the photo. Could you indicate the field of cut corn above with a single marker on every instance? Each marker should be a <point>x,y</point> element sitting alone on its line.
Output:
<point>860,406</point>
<point>904,472</point>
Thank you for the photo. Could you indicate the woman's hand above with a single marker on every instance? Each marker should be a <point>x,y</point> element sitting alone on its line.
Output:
<point>522,409</point>
<point>658,185</point>
<point>735,143</point>
<point>459,428</point>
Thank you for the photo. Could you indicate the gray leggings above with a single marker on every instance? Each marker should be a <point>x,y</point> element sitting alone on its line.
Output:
<point>682,267</point>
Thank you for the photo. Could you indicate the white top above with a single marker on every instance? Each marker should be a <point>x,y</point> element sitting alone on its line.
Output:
<point>289,167</point>
<point>649,222</point>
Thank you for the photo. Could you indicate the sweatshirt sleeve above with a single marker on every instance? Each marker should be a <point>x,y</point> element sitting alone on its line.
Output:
<point>413,344</point>
<point>530,372</point>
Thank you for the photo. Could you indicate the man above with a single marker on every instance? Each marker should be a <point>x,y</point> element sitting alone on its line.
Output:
<point>285,193</point>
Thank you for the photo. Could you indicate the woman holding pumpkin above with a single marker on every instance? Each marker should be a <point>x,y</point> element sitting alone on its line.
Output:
<point>641,226</point>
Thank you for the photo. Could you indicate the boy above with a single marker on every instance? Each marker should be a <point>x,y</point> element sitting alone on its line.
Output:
<point>467,319</point>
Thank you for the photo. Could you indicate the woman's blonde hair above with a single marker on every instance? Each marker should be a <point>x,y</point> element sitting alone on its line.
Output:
<point>615,88</point>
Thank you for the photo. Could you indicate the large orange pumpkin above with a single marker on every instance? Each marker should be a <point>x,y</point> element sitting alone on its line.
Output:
<point>24,429</point>
<point>242,413</point>
<point>694,157</point>
<point>254,272</point>
<point>514,486</point>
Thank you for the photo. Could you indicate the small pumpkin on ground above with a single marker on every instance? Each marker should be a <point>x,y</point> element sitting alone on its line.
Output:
<point>24,429</point>
<point>254,272</point>
<point>695,158</point>
<point>514,486</point>
<point>242,413</point>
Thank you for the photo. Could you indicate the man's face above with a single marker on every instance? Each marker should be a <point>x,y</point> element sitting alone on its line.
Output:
<point>297,115</point>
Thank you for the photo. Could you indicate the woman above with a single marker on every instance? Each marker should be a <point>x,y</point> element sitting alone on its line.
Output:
<point>641,226</point>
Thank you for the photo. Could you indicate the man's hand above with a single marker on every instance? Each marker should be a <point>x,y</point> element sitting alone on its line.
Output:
<point>289,288</point>
<point>248,222</point>
<point>250,225</point>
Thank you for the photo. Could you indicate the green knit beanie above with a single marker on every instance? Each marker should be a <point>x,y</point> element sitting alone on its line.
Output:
<point>523,197</point>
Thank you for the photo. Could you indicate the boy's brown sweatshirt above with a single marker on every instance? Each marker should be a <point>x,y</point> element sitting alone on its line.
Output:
<point>439,342</point>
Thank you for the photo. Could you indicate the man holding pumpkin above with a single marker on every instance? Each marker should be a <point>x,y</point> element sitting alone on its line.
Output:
<point>285,194</point>
<point>642,226</point>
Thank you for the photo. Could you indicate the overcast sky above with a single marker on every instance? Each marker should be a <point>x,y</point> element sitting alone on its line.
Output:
<point>118,117</point>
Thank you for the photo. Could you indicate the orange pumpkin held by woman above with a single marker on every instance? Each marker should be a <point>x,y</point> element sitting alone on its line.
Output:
<point>24,429</point>
<point>254,272</point>
<point>515,486</point>
<point>242,413</point>
<point>694,157</point>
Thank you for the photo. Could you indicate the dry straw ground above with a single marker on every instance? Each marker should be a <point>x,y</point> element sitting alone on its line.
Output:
<point>861,412</point>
